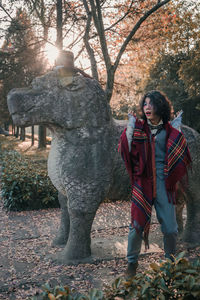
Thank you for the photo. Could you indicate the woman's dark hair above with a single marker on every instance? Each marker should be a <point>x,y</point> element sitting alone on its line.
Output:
<point>161,104</point>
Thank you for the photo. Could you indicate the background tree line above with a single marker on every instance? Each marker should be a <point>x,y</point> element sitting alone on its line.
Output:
<point>129,46</point>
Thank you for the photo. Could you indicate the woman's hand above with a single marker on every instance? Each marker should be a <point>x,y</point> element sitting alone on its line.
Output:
<point>131,114</point>
<point>178,114</point>
<point>176,122</point>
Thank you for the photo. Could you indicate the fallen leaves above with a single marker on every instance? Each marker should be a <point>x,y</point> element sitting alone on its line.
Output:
<point>26,252</point>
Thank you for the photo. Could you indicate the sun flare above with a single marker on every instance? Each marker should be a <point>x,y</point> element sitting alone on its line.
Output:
<point>51,52</point>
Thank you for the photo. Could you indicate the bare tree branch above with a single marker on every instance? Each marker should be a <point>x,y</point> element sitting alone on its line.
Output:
<point>98,21</point>
<point>79,53</point>
<point>39,8</point>
<point>76,41</point>
<point>121,19</point>
<point>89,48</point>
<point>135,28</point>
<point>86,37</point>
<point>1,6</point>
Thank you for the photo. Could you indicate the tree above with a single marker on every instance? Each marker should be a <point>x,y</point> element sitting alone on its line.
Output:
<point>164,76</point>
<point>176,70</point>
<point>182,36</point>
<point>168,32</point>
<point>20,57</point>
<point>94,10</point>
<point>141,54</point>
<point>4,73</point>
<point>105,29</point>
<point>189,71</point>
<point>43,12</point>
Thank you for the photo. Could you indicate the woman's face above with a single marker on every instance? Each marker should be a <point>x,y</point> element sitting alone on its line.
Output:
<point>149,112</point>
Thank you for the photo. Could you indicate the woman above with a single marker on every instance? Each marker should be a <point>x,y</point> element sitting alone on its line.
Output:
<point>156,156</point>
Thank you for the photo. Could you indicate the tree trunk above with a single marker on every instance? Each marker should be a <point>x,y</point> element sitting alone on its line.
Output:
<point>110,83</point>
<point>22,134</point>
<point>32,136</point>
<point>13,129</point>
<point>6,126</point>
<point>17,132</point>
<point>59,24</point>
<point>41,137</point>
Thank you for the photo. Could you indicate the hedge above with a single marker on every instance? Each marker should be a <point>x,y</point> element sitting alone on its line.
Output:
<point>25,184</point>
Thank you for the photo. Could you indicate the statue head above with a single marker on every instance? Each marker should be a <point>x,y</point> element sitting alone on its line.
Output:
<point>54,100</point>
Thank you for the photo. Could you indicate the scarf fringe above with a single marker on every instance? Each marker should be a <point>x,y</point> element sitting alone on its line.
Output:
<point>146,236</point>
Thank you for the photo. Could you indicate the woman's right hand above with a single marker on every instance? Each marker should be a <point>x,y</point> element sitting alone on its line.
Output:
<point>176,122</point>
<point>131,114</point>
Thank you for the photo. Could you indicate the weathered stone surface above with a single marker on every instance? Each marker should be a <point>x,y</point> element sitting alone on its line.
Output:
<point>191,233</point>
<point>83,162</point>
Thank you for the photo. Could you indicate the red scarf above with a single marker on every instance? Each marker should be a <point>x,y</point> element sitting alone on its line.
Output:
<point>140,166</point>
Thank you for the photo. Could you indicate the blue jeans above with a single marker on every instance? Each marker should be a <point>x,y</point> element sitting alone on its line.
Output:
<point>165,212</point>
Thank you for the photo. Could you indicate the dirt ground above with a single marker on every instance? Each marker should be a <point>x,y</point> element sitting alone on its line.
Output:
<point>27,258</point>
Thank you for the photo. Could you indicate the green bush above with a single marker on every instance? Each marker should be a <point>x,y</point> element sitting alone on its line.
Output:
<point>25,184</point>
<point>64,293</point>
<point>167,280</point>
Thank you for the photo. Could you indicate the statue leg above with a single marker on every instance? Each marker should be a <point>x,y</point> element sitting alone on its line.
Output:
<point>179,217</point>
<point>192,228</point>
<point>79,242</point>
<point>83,202</point>
<point>63,233</point>
<point>180,202</point>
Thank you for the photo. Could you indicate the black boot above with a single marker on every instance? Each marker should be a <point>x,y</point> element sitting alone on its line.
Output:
<point>131,270</point>
<point>170,245</point>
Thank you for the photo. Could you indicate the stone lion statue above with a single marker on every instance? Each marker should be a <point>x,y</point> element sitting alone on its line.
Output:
<point>83,163</point>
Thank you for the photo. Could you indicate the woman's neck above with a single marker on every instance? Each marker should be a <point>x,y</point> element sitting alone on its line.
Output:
<point>155,121</point>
